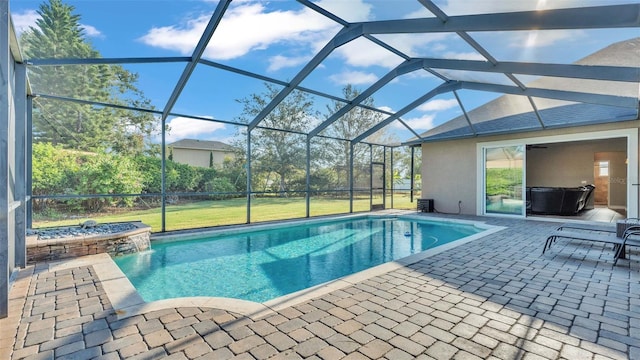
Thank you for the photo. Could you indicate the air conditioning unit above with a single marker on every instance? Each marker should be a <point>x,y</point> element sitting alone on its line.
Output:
<point>425,205</point>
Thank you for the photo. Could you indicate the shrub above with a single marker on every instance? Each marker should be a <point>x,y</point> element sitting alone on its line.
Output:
<point>179,177</point>
<point>102,173</point>
<point>149,168</point>
<point>222,186</point>
<point>58,171</point>
<point>51,167</point>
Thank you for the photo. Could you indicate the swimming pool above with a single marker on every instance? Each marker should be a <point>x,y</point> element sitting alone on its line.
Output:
<point>266,264</point>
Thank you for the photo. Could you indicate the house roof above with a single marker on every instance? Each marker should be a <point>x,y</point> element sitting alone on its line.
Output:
<point>201,145</point>
<point>514,113</point>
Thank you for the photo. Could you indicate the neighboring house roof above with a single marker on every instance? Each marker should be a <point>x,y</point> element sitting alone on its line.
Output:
<point>513,113</point>
<point>201,145</point>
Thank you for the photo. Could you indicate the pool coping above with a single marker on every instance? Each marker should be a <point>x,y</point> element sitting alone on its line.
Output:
<point>127,302</point>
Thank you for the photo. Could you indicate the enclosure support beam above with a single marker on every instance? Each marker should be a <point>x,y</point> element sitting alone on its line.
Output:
<point>346,35</point>
<point>182,82</point>
<point>248,168</point>
<point>589,98</point>
<point>221,8</point>
<point>450,86</point>
<point>20,164</point>
<point>29,159</point>
<point>576,71</point>
<point>308,180</point>
<point>392,176</point>
<point>163,176</point>
<point>413,151</point>
<point>535,110</point>
<point>464,112</point>
<point>404,68</point>
<point>597,17</point>
<point>5,115</point>
<point>370,176</point>
<point>351,178</point>
<point>384,177</point>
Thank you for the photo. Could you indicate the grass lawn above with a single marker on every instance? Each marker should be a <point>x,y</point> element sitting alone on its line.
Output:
<point>229,212</point>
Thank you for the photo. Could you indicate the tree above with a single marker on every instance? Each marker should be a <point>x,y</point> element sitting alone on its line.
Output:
<point>402,161</point>
<point>282,153</point>
<point>58,34</point>
<point>349,126</point>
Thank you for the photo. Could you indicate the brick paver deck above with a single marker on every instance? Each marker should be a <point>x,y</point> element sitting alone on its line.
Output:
<point>497,297</point>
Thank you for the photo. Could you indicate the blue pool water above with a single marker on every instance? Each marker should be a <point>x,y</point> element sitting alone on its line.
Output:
<point>263,265</point>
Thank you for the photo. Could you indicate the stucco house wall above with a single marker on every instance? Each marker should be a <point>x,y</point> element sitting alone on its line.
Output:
<point>197,157</point>
<point>449,175</point>
<point>196,152</point>
<point>450,171</point>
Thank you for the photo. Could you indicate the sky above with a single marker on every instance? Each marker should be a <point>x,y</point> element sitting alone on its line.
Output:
<point>277,38</point>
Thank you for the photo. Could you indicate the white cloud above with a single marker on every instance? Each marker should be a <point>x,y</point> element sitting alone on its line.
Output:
<point>187,128</point>
<point>303,31</point>
<point>22,21</point>
<point>363,53</point>
<point>279,62</point>
<point>385,108</point>
<point>181,39</point>
<point>463,55</point>
<point>418,14</point>
<point>352,10</point>
<point>441,45</point>
<point>91,31</point>
<point>353,77</point>
<point>249,26</point>
<point>245,27</point>
<point>424,122</point>
<point>438,105</point>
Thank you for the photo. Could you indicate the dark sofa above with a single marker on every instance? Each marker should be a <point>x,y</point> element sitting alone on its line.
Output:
<point>558,200</point>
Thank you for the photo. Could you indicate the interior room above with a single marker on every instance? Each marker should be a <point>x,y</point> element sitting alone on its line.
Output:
<point>557,168</point>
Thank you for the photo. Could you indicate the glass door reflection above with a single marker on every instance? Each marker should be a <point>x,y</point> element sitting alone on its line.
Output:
<point>504,180</point>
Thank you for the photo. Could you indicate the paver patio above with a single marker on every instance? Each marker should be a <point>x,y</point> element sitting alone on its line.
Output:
<point>497,297</point>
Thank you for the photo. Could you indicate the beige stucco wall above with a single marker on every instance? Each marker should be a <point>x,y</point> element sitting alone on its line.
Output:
<point>573,165</point>
<point>449,175</point>
<point>449,169</point>
<point>572,162</point>
<point>197,157</point>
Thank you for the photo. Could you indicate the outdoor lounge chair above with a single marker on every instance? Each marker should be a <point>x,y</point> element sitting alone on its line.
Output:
<point>618,229</point>
<point>588,227</point>
<point>604,228</point>
<point>630,237</point>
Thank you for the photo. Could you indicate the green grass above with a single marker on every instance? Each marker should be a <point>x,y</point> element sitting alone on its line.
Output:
<point>229,212</point>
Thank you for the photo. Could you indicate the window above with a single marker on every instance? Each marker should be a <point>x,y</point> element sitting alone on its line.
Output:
<point>603,168</point>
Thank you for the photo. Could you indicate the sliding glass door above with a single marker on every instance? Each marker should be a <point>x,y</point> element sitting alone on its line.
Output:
<point>504,180</point>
